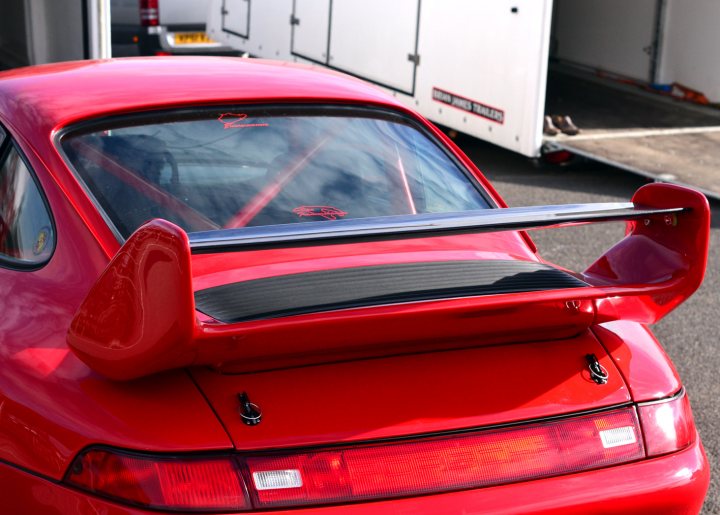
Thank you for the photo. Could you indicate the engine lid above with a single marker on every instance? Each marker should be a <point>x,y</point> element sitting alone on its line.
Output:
<point>406,395</point>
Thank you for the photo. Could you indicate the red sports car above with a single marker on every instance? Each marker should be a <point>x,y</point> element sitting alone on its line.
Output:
<point>234,285</point>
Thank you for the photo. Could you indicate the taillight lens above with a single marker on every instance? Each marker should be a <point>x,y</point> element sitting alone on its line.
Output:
<point>446,463</point>
<point>668,425</point>
<point>149,13</point>
<point>181,484</point>
<point>365,471</point>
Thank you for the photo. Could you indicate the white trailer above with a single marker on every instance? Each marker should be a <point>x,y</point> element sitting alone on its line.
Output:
<point>48,31</point>
<point>483,67</point>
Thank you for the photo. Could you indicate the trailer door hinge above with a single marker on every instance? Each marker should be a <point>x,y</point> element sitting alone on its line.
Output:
<point>414,58</point>
<point>294,20</point>
<point>224,11</point>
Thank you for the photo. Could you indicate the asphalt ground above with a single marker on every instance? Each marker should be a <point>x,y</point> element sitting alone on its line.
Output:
<point>688,334</point>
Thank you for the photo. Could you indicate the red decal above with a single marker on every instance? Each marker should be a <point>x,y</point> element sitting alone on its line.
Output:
<point>235,121</point>
<point>326,212</point>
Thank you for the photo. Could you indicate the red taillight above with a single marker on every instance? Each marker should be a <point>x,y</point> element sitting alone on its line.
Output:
<point>187,483</point>
<point>445,463</point>
<point>149,13</point>
<point>668,425</point>
<point>366,471</point>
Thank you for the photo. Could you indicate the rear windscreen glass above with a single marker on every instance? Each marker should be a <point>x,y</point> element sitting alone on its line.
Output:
<point>249,166</point>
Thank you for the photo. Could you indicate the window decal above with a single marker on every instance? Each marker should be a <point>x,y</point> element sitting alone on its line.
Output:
<point>236,121</point>
<point>41,241</point>
<point>326,212</point>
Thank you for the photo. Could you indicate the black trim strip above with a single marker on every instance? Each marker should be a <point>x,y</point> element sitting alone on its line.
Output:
<point>86,29</point>
<point>415,226</point>
<point>238,452</point>
<point>679,394</point>
<point>345,288</point>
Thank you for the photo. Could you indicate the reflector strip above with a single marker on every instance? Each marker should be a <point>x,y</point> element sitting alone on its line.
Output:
<point>617,437</point>
<point>149,13</point>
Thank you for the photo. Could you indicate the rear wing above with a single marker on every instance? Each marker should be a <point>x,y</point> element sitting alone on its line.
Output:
<point>140,317</point>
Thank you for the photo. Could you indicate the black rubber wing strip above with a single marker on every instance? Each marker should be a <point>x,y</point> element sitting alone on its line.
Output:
<point>327,290</point>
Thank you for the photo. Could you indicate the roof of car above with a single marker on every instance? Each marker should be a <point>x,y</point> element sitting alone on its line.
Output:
<point>49,96</point>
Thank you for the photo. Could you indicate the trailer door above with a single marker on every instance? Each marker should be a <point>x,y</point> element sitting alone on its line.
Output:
<point>479,67</point>
<point>236,17</point>
<point>375,40</point>
<point>389,30</point>
<point>483,69</point>
<point>311,29</point>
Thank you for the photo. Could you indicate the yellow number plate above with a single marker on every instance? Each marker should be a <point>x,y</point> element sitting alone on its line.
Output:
<point>192,38</point>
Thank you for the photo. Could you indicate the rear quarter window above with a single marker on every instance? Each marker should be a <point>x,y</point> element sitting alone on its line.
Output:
<point>26,230</point>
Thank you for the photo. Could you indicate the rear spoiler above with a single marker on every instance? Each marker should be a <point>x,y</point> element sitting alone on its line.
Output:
<point>140,317</point>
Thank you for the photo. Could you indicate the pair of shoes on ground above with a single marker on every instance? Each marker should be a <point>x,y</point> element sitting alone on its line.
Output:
<point>552,125</point>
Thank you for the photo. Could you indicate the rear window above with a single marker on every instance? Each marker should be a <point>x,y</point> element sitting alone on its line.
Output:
<point>249,166</point>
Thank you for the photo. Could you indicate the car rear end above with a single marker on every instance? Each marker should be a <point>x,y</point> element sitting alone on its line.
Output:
<point>464,431</point>
<point>403,351</point>
<point>428,407</point>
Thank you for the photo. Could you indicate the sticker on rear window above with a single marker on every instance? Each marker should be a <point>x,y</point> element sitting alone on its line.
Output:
<point>326,212</point>
<point>41,241</point>
<point>237,121</point>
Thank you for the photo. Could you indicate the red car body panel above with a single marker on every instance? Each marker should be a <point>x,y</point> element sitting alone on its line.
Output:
<point>641,360</point>
<point>431,392</point>
<point>52,405</point>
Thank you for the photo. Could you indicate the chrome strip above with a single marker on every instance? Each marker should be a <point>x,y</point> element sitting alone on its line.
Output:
<point>674,397</point>
<point>415,226</point>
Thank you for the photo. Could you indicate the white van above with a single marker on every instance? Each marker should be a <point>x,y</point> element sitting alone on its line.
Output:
<point>162,27</point>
